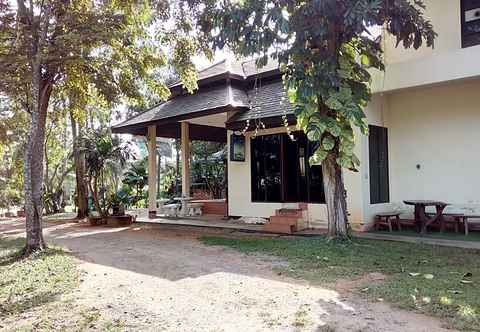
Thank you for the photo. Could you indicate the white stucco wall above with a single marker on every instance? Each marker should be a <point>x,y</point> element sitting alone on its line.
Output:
<point>438,129</point>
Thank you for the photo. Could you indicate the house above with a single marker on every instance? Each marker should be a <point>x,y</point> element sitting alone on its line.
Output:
<point>424,128</point>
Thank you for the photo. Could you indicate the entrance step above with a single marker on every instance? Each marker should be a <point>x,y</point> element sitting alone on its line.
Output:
<point>287,220</point>
<point>279,228</point>
<point>289,213</point>
<point>319,224</point>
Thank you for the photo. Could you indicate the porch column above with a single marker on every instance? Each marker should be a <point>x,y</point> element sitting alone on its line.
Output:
<point>185,147</point>
<point>152,171</point>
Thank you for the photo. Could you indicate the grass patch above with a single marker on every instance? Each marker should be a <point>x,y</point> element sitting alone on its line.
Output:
<point>34,291</point>
<point>441,281</point>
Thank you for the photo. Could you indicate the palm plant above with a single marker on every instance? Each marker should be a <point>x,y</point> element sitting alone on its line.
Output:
<point>102,152</point>
<point>136,177</point>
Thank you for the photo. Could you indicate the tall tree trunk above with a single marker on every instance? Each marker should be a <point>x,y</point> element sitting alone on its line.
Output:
<point>34,159</point>
<point>80,167</point>
<point>335,196</point>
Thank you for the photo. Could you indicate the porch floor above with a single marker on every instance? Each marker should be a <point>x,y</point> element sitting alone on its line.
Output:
<point>215,221</point>
<point>210,221</point>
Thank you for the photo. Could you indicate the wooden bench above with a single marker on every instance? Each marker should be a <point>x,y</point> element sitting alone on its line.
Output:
<point>385,219</point>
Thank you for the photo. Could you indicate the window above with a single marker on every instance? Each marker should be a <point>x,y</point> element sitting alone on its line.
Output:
<point>280,170</point>
<point>470,12</point>
<point>378,153</point>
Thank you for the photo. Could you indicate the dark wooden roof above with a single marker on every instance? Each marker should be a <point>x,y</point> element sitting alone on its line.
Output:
<point>236,87</point>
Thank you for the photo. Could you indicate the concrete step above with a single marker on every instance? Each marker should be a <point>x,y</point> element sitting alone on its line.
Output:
<point>279,228</point>
<point>289,212</point>
<point>319,224</point>
<point>287,220</point>
<point>295,206</point>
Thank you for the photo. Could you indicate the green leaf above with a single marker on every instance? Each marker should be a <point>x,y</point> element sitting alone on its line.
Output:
<point>328,143</point>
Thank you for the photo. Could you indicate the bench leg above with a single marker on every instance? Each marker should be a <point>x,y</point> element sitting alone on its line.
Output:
<point>389,222</point>
<point>465,225</point>
<point>397,218</point>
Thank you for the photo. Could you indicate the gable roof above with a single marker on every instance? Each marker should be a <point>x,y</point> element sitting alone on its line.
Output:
<point>224,86</point>
<point>215,100</point>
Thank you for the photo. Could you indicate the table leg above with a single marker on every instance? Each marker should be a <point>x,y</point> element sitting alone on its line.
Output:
<point>423,219</point>
<point>419,218</point>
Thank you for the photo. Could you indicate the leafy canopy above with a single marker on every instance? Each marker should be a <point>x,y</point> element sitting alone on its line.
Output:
<point>325,50</point>
<point>104,52</point>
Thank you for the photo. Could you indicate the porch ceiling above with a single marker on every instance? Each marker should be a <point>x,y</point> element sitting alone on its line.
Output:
<point>172,130</point>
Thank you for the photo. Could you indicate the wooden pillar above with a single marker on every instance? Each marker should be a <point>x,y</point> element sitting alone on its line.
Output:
<point>152,171</point>
<point>185,147</point>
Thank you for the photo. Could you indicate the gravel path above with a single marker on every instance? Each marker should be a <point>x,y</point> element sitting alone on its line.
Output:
<point>159,279</point>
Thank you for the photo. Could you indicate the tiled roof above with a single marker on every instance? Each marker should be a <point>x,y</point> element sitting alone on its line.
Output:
<point>205,99</point>
<point>271,101</point>
<point>216,97</point>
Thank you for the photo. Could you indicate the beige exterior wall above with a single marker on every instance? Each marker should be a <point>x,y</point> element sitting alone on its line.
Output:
<point>448,61</point>
<point>438,129</point>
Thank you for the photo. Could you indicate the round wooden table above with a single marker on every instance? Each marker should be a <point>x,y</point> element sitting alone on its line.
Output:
<point>422,221</point>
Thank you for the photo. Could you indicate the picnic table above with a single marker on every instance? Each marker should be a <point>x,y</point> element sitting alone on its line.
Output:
<point>422,221</point>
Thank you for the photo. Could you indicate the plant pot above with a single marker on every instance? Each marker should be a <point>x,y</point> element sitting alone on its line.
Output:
<point>95,221</point>
<point>125,220</point>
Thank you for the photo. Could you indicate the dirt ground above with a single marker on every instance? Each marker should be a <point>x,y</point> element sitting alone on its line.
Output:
<point>163,279</point>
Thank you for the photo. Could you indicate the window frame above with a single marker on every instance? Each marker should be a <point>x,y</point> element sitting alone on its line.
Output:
<point>283,199</point>
<point>377,167</point>
<point>463,35</point>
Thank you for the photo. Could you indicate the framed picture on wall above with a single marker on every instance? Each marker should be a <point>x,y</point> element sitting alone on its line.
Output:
<point>237,147</point>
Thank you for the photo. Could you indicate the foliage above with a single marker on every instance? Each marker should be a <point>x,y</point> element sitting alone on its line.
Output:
<point>12,140</point>
<point>208,166</point>
<point>103,152</point>
<point>324,50</point>
<point>135,179</point>
<point>58,163</point>
<point>452,293</point>
<point>168,180</point>
<point>91,52</point>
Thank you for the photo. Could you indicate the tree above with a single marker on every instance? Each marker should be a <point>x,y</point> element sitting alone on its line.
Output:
<point>324,49</point>
<point>107,48</point>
